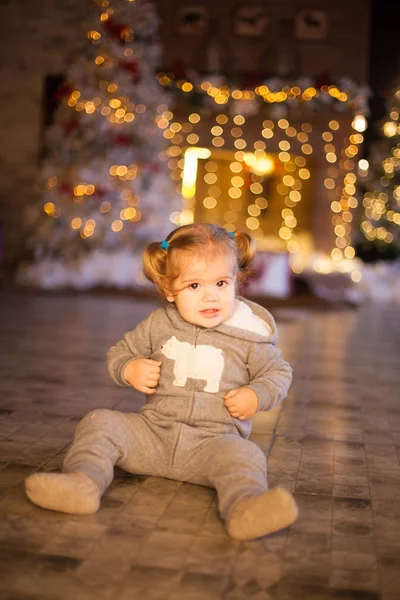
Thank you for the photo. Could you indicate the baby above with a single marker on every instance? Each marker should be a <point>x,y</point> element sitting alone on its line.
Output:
<point>207,361</point>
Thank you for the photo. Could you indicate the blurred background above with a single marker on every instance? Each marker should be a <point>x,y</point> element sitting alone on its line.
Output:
<point>124,119</point>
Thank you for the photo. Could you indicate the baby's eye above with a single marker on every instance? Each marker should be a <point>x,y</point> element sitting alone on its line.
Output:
<point>221,284</point>
<point>194,286</point>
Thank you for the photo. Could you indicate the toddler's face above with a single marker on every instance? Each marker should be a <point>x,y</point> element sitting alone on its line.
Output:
<point>205,289</point>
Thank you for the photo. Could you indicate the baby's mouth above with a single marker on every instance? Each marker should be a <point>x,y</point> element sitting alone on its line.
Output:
<point>210,312</point>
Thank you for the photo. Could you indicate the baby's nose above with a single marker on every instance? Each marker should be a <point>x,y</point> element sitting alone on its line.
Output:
<point>210,294</point>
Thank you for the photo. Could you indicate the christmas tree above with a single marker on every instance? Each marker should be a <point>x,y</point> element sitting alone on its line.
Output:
<point>381,223</point>
<point>107,188</point>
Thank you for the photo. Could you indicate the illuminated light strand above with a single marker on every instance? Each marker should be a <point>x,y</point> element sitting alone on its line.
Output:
<point>381,202</point>
<point>224,93</point>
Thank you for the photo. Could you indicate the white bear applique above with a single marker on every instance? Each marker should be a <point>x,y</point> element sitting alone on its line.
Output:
<point>195,362</point>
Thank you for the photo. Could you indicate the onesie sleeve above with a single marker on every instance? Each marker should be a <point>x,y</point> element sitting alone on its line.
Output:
<point>136,344</point>
<point>270,375</point>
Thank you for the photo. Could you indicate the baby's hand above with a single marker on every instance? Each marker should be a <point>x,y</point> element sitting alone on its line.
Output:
<point>242,403</point>
<point>143,374</point>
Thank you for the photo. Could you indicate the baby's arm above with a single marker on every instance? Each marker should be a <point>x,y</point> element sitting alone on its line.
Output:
<point>270,379</point>
<point>270,375</point>
<point>129,363</point>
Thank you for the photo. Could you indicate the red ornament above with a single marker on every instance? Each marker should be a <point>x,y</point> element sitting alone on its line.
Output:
<point>65,187</point>
<point>251,80</point>
<point>99,192</point>
<point>132,67</point>
<point>113,28</point>
<point>154,167</point>
<point>69,126</point>
<point>64,90</point>
<point>323,78</point>
<point>179,69</point>
<point>123,140</point>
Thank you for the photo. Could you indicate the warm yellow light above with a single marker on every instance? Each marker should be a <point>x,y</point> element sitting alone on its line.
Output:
<point>306,149</point>
<point>209,202</point>
<point>237,181</point>
<point>49,208</point>
<point>236,167</point>
<point>329,183</point>
<point>76,223</point>
<point>121,170</point>
<point>216,130</point>
<point>261,203</point>
<point>210,178</point>
<point>219,141</point>
<point>189,174</point>
<point>175,217</point>
<point>253,210</point>
<point>285,233</point>
<point>105,206</point>
<point>284,145</point>
<point>359,123</point>
<point>79,190</point>
<point>117,225</point>
<point>252,223</point>
<point>187,217</point>
<point>349,252</point>
<point>283,123</point>
<point>304,174</point>
<point>356,276</point>
<point>260,165</point>
<point>288,180</point>
<point>267,133</point>
<point>192,138</point>
<point>295,196</point>
<point>336,254</point>
<point>240,144</point>
<point>202,153</point>
<point>390,129</point>
<point>234,192</point>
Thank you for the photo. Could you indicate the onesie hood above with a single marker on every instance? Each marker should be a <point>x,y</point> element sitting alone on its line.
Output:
<point>250,322</point>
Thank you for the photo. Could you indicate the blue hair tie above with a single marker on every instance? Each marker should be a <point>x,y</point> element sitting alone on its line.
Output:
<point>164,245</point>
<point>231,234</point>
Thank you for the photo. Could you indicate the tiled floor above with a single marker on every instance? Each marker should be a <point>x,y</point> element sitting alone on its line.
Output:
<point>335,444</point>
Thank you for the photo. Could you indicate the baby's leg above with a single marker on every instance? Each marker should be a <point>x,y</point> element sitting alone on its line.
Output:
<point>101,438</point>
<point>237,469</point>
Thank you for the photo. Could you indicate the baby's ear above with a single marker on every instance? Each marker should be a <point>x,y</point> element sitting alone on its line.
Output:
<point>170,297</point>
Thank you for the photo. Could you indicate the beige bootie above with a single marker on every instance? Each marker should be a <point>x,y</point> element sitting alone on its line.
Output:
<point>73,493</point>
<point>256,516</point>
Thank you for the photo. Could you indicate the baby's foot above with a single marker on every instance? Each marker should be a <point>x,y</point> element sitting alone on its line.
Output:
<point>256,516</point>
<point>73,493</point>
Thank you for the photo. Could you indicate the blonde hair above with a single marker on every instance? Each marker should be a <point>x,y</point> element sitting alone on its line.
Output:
<point>161,265</point>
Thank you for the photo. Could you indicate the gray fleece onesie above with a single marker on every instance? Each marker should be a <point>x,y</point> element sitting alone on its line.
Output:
<point>184,431</point>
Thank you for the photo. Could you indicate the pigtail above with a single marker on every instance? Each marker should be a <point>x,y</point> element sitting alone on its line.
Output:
<point>155,264</point>
<point>246,249</point>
